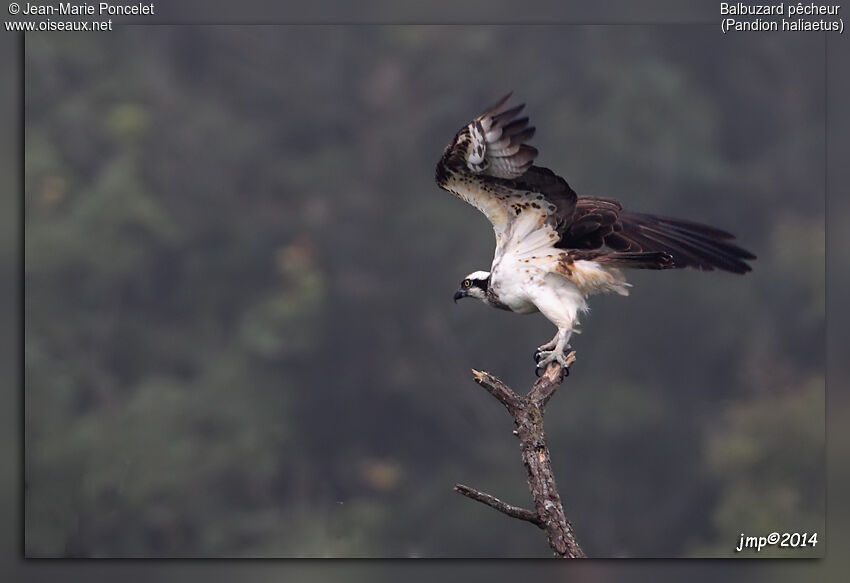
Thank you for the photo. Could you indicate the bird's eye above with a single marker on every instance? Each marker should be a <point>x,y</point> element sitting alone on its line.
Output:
<point>467,283</point>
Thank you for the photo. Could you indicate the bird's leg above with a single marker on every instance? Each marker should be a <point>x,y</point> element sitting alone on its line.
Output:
<point>554,351</point>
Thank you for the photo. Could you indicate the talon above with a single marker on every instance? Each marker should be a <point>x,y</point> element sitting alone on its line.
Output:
<point>537,357</point>
<point>547,357</point>
<point>538,372</point>
<point>548,347</point>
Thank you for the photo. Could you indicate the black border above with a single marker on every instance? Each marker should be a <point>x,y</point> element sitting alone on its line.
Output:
<point>837,175</point>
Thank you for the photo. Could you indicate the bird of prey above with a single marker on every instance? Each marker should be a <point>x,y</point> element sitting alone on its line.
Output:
<point>553,247</point>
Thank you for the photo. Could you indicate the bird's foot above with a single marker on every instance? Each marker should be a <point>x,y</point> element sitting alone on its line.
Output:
<point>544,358</point>
<point>546,348</point>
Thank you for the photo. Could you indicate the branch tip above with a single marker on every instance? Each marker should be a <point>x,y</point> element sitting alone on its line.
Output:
<point>496,504</point>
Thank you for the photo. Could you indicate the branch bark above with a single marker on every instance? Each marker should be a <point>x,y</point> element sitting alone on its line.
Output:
<point>527,412</point>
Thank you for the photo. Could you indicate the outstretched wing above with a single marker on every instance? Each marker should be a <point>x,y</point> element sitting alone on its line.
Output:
<point>489,165</point>
<point>601,224</point>
<point>493,144</point>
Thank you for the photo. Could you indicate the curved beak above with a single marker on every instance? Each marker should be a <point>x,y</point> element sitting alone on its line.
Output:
<point>459,294</point>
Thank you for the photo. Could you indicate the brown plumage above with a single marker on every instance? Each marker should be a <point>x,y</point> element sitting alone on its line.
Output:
<point>493,152</point>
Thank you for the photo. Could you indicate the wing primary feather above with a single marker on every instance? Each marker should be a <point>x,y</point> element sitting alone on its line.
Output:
<point>508,114</point>
<point>522,136</point>
<point>493,109</point>
<point>515,126</point>
<point>687,249</point>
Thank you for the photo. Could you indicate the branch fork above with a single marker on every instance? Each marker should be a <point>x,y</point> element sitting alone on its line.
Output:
<point>527,412</point>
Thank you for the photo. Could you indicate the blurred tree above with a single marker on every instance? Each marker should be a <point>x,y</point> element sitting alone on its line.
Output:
<point>239,334</point>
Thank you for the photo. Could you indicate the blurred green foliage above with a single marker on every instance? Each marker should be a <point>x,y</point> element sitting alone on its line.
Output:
<point>239,334</point>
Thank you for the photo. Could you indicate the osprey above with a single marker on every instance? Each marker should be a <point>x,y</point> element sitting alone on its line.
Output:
<point>553,247</point>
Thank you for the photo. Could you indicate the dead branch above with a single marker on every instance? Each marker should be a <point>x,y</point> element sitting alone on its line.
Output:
<point>527,412</point>
<point>493,502</point>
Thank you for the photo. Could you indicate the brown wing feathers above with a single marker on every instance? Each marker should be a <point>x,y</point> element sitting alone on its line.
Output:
<point>592,222</point>
<point>494,146</point>
<point>691,244</point>
<point>601,223</point>
<point>497,142</point>
<point>555,190</point>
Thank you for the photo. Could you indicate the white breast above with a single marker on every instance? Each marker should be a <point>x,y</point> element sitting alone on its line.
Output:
<point>512,282</point>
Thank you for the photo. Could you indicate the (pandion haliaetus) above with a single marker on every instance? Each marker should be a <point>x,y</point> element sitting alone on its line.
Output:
<point>553,247</point>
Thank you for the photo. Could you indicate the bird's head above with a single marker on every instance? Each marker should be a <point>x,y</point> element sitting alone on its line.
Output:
<point>474,285</point>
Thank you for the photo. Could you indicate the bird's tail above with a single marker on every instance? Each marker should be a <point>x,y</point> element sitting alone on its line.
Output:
<point>636,260</point>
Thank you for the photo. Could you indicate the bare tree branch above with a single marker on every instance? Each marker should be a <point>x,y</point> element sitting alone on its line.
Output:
<point>527,412</point>
<point>497,388</point>
<point>493,502</point>
<point>549,382</point>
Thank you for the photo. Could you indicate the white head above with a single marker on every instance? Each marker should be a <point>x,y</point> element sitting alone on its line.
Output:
<point>474,285</point>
